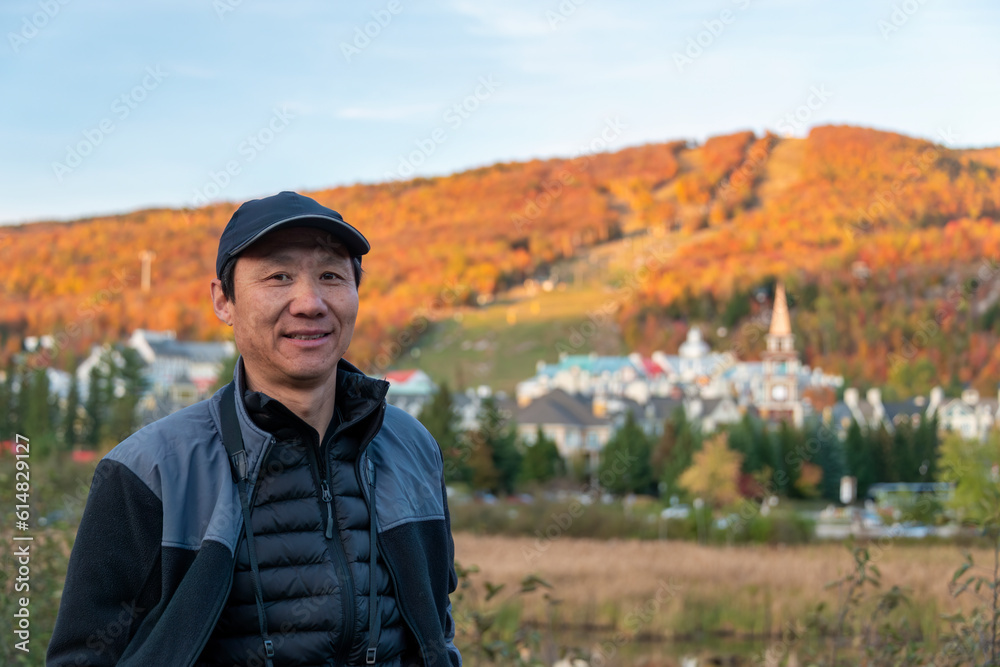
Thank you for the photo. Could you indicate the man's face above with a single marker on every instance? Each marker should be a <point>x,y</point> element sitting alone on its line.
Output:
<point>294,307</point>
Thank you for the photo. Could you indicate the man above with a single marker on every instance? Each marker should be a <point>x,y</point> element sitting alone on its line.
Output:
<point>167,570</point>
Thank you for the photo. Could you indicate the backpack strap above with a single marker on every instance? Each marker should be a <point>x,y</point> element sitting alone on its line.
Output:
<point>232,438</point>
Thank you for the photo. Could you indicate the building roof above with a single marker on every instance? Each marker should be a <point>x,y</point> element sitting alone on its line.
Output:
<point>558,407</point>
<point>591,363</point>
<point>781,324</point>
<point>411,381</point>
<point>908,408</point>
<point>196,351</point>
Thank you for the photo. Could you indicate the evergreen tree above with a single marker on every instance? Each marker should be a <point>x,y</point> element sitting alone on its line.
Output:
<point>829,456</point>
<point>500,437</point>
<point>625,462</point>
<point>43,413</point>
<point>926,446</point>
<point>38,406</point>
<point>675,450</point>
<point>440,419</point>
<point>96,406</point>
<point>765,449</point>
<point>742,440</point>
<point>881,446</point>
<point>483,475</point>
<point>70,420</point>
<point>903,467</point>
<point>23,400</point>
<point>542,461</point>
<point>128,384</point>
<point>788,460</point>
<point>8,405</point>
<point>226,373</point>
<point>859,461</point>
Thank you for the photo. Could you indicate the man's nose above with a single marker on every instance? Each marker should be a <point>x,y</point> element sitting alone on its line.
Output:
<point>307,299</point>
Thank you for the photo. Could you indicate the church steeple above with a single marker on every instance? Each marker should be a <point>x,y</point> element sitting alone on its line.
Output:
<point>781,325</point>
<point>781,366</point>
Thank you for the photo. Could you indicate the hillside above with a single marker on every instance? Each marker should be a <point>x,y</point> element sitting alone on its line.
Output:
<point>888,245</point>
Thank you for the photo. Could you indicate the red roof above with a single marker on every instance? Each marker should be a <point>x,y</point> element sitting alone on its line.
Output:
<point>651,367</point>
<point>400,377</point>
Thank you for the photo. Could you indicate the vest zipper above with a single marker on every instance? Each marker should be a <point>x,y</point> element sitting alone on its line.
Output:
<point>340,558</point>
<point>328,499</point>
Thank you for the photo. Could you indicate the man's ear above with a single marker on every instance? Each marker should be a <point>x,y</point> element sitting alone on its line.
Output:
<point>220,303</point>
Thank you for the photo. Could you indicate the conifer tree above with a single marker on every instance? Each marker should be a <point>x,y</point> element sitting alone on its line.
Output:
<point>542,461</point>
<point>70,419</point>
<point>625,462</point>
<point>440,419</point>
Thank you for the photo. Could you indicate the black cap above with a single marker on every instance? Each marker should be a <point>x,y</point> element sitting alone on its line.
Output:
<point>259,216</point>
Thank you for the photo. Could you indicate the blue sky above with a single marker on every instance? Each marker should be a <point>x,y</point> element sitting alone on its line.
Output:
<point>111,106</point>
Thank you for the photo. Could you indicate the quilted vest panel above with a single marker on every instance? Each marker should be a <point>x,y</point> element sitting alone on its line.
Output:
<point>315,589</point>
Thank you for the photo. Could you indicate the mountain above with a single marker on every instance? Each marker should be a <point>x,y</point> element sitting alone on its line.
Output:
<point>888,245</point>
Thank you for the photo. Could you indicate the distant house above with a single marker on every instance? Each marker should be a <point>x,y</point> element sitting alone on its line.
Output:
<point>468,405</point>
<point>589,374</point>
<point>711,413</point>
<point>970,415</point>
<point>567,420</point>
<point>186,368</point>
<point>178,373</point>
<point>708,413</point>
<point>410,389</point>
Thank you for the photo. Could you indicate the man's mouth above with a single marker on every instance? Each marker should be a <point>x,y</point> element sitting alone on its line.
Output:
<point>306,336</point>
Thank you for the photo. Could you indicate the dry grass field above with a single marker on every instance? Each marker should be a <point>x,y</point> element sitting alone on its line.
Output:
<point>751,589</point>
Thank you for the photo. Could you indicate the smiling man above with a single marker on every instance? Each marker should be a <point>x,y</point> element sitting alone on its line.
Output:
<point>294,518</point>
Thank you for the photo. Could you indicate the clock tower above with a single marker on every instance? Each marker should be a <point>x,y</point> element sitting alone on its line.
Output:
<point>781,367</point>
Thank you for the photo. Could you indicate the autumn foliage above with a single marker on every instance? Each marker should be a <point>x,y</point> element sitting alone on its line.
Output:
<point>876,234</point>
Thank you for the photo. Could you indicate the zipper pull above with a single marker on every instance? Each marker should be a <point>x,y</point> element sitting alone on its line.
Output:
<point>371,472</point>
<point>327,498</point>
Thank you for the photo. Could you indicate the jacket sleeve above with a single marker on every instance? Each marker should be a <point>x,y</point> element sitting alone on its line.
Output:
<point>113,576</point>
<point>454,656</point>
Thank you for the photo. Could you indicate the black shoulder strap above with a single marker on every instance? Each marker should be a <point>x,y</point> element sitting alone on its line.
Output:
<point>232,438</point>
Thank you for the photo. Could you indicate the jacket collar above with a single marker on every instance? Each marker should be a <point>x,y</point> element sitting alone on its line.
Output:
<point>357,395</point>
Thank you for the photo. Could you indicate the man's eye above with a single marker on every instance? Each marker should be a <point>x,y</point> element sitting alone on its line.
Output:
<point>280,277</point>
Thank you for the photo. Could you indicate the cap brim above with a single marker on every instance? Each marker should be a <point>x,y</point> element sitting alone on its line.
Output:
<point>352,239</point>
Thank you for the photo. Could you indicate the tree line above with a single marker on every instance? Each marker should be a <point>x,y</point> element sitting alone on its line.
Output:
<point>103,413</point>
<point>764,458</point>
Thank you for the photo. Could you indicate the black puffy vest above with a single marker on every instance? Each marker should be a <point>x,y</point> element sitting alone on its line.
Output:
<point>315,588</point>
